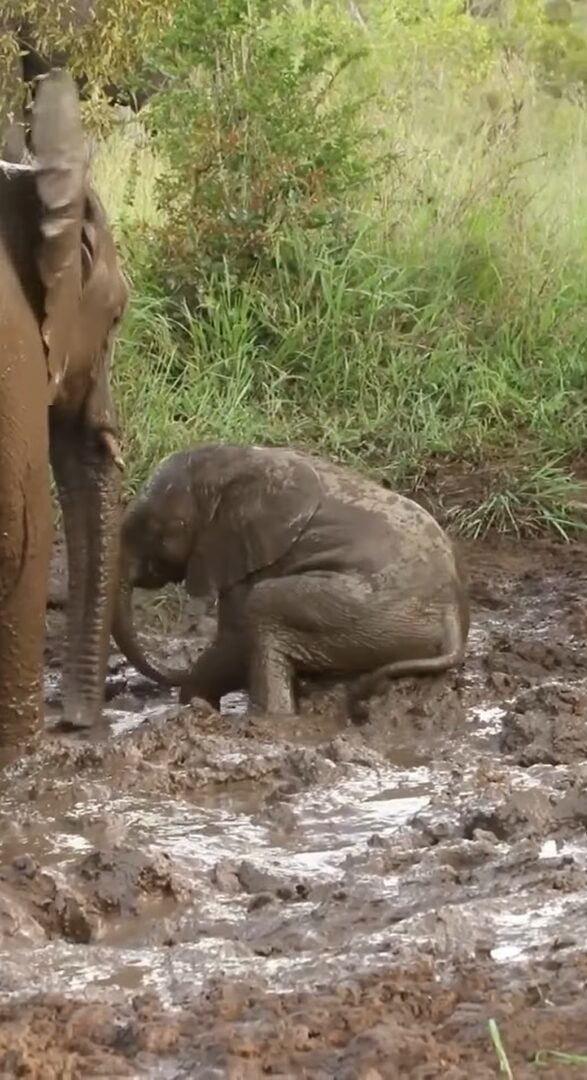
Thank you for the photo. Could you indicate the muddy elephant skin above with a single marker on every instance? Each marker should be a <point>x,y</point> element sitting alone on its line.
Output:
<point>316,570</point>
<point>62,294</point>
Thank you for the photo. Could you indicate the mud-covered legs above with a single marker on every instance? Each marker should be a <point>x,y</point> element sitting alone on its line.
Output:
<point>314,623</point>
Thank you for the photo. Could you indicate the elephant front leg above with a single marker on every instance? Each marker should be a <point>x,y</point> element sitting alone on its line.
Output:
<point>221,669</point>
<point>271,670</point>
<point>271,678</point>
<point>25,552</point>
<point>223,666</point>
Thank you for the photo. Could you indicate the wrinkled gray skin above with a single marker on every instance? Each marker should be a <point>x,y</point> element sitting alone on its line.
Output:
<point>316,570</point>
<point>62,295</point>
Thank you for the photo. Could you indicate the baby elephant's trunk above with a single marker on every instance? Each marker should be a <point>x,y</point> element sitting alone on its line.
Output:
<point>125,636</point>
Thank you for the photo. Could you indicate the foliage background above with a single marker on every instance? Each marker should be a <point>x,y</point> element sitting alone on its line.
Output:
<point>357,227</point>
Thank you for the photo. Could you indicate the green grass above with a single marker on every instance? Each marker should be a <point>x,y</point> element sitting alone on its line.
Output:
<point>452,330</point>
<point>504,1065</point>
<point>542,1057</point>
<point>549,1057</point>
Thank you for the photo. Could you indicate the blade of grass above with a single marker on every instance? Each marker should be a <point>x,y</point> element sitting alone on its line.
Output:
<point>504,1065</point>
<point>545,1057</point>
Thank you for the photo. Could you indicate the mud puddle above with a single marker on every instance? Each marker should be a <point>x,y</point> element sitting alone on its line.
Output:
<point>242,898</point>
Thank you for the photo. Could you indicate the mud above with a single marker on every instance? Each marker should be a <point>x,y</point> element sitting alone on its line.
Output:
<point>187,894</point>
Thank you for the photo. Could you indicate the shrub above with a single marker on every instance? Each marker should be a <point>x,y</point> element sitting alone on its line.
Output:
<point>257,134</point>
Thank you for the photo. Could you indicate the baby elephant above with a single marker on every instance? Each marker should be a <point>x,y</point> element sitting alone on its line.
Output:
<point>316,570</point>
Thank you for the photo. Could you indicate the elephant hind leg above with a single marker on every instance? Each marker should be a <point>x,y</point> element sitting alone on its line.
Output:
<point>340,623</point>
<point>452,654</point>
<point>293,623</point>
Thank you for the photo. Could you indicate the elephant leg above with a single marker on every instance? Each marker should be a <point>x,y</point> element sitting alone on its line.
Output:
<point>328,622</point>
<point>271,675</point>
<point>25,552</point>
<point>291,622</point>
<point>222,667</point>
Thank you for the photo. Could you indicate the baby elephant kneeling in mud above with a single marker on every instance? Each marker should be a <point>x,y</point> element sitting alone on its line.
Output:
<point>316,570</point>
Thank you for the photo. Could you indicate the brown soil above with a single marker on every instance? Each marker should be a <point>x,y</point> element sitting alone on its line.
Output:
<point>213,896</point>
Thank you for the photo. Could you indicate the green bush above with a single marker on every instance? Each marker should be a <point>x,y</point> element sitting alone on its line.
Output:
<point>257,135</point>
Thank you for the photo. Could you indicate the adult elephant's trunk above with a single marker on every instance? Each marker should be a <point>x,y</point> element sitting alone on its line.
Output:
<point>89,483</point>
<point>125,635</point>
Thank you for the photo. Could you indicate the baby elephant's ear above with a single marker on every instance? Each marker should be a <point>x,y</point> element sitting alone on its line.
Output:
<point>262,506</point>
<point>58,145</point>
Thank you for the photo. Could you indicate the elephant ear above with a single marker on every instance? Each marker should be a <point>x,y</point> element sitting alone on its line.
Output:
<point>58,145</point>
<point>260,501</point>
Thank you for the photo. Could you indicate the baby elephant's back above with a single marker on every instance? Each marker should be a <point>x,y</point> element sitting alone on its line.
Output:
<point>360,525</point>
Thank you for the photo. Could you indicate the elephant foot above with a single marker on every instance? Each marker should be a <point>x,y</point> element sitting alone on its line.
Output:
<point>358,711</point>
<point>9,755</point>
<point>200,705</point>
<point>278,706</point>
<point>79,719</point>
<point>64,725</point>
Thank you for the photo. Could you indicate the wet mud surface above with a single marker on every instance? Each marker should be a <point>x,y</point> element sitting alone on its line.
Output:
<point>187,894</point>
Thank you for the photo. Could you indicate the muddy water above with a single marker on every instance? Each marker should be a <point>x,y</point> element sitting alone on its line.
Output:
<point>265,887</point>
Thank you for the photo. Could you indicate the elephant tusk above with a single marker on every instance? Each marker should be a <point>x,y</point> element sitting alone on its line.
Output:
<point>57,377</point>
<point>15,167</point>
<point>111,445</point>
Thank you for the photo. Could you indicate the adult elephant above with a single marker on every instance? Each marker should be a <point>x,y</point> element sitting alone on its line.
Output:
<point>62,294</point>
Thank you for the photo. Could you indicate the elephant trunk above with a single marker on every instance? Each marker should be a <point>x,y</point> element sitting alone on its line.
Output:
<point>89,485</point>
<point>125,635</point>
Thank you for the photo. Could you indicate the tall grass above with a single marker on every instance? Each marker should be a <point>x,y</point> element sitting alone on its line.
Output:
<point>451,331</point>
